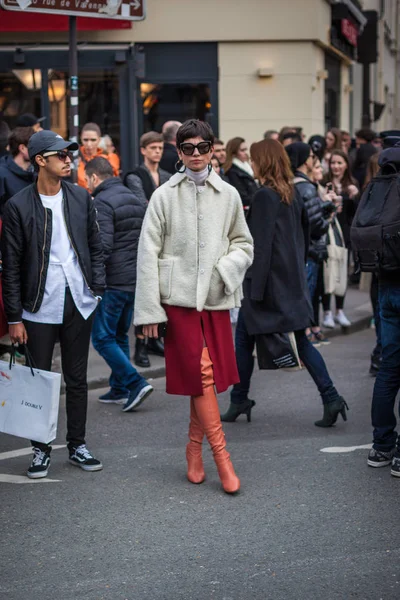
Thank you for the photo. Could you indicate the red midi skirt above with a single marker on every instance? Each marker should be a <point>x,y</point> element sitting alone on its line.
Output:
<point>188,331</point>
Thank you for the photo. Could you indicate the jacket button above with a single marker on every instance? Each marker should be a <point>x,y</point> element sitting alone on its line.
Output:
<point>202,245</point>
<point>200,217</point>
<point>202,271</point>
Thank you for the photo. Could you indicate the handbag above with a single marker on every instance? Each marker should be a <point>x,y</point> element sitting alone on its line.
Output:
<point>335,268</point>
<point>29,400</point>
<point>277,351</point>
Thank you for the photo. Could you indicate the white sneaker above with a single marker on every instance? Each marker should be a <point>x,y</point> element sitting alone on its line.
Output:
<point>342,319</point>
<point>328,320</point>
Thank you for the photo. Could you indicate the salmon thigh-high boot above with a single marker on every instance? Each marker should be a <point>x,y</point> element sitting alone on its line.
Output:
<point>207,411</point>
<point>195,472</point>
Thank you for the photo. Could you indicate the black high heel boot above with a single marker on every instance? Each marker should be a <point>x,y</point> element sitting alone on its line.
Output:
<point>235,410</point>
<point>332,411</point>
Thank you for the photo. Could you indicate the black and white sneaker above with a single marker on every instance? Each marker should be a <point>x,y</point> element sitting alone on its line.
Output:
<point>137,396</point>
<point>40,464</point>
<point>377,458</point>
<point>395,470</point>
<point>81,457</point>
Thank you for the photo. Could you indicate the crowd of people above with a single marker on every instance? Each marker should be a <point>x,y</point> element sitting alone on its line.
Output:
<point>199,235</point>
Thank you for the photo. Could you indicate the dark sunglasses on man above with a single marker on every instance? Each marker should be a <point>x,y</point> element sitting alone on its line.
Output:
<point>61,154</point>
<point>188,149</point>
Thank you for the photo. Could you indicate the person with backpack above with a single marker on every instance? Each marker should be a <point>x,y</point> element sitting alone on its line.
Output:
<point>143,181</point>
<point>376,245</point>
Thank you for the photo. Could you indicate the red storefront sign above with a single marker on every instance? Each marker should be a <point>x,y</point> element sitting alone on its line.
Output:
<point>349,31</point>
<point>10,21</point>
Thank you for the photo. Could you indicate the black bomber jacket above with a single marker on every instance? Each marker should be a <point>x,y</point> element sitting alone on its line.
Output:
<point>26,241</point>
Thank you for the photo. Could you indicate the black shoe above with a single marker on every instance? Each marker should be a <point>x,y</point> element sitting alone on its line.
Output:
<point>235,410</point>
<point>140,358</point>
<point>81,457</point>
<point>395,470</point>
<point>377,458</point>
<point>40,463</point>
<point>155,346</point>
<point>332,411</point>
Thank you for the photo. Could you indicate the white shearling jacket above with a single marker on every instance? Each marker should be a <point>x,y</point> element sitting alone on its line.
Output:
<point>194,249</point>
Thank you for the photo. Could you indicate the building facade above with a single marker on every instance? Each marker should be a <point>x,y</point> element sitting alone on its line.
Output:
<point>244,66</point>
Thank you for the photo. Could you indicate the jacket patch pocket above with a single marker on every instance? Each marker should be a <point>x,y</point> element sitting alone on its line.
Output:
<point>216,293</point>
<point>165,276</point>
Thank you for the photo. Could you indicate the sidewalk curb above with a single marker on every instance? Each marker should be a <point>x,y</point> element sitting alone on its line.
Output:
<point>157,372</point>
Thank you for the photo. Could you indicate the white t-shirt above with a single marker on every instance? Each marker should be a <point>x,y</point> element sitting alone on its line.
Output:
<point>63,271</point>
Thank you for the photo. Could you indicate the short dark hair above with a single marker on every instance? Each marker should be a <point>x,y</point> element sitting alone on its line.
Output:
<point>194,128</point>
<point>219,142</point>
<point>18,136</point>
<point>91,127</point>
<point>366,134</point>
<point>151,137</point>
<point>99,166</point>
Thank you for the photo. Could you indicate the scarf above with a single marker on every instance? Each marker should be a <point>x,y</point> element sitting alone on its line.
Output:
<point>245,166</point>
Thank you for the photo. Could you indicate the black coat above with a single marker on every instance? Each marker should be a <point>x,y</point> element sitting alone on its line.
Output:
<point>13,179</point>
<point>26,244</point>
<point>120,215</point>
<point>243,182</point>
<point>317,211</point>
<point>169,158</point>
<point>276,296</point>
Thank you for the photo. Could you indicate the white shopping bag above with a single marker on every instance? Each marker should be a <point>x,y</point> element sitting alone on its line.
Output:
<point>29,400</point>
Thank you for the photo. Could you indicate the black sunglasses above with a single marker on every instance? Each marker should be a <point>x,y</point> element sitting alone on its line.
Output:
<point>188,149</point>
<point>61,154</point>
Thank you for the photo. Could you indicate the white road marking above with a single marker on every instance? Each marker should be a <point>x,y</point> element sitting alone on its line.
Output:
<point>23,479</point>
<point>22,452</point>
<point>342,449</point>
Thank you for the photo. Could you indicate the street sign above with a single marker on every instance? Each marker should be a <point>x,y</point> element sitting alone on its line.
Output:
<point>130,10</point>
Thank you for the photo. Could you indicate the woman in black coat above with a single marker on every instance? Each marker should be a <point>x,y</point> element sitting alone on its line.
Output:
<point>276,297</point>
<point>238,171</point>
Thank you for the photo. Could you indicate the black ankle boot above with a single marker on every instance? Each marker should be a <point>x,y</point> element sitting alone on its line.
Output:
<point>155,346</point>
<point>235,410</point>
<point>140,358</point>
<point>331,412</point>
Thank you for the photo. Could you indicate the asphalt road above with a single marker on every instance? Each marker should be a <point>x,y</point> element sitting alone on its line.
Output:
<point>307,524</point>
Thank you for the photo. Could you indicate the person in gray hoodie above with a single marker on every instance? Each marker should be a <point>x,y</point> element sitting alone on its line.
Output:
<point>16,170</point>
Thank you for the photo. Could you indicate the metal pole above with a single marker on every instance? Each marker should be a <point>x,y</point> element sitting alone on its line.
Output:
<point>366,116</point>
<point>73,90</point>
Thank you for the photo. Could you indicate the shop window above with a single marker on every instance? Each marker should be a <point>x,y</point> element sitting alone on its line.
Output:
<point>178,102</point>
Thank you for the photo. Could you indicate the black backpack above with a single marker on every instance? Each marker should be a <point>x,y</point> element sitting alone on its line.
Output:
<point>375,232</point>
<point>147,181</point>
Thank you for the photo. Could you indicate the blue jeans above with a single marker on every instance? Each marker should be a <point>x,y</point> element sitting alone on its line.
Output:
<point>110,338</point>
<point>312,269</point>
<point>309,355</point>
<point>387,382</point>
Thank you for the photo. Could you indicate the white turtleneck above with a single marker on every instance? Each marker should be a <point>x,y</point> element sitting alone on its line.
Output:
<point>199,177</point>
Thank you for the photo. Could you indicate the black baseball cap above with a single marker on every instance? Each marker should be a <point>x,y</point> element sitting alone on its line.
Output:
<point>29,120</point>
<point>48,141</point>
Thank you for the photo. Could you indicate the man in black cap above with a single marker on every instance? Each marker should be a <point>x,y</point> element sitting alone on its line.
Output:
<point>53,278</point>
<point>29,120</point>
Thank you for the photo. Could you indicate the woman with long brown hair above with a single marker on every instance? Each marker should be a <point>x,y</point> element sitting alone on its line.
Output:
<point>333,140</point>
<point>276,297</point>
<point>238,171</point>
<point>345,186</point>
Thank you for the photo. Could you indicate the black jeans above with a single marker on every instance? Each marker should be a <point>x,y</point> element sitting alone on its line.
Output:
<point>74,337</point>
<point>311,358</point>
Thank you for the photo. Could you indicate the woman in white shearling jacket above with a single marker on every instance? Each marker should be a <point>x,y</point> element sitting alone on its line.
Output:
<point>194,251</point>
